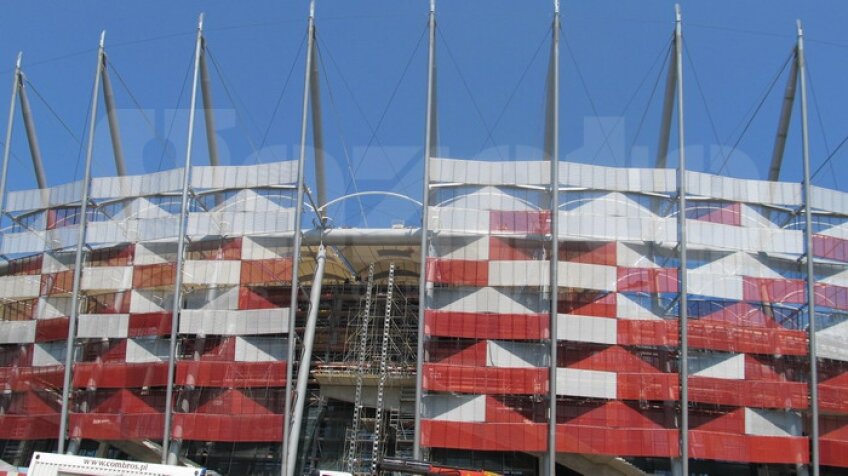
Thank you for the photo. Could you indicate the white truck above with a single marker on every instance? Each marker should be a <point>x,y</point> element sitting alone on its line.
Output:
<point>49,464</point>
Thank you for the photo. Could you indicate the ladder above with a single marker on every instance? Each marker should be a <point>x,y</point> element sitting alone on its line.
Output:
<point>376,453</point>
<point>360,372</point>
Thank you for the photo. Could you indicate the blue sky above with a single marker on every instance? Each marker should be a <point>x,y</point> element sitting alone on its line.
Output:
<point>492,58</point>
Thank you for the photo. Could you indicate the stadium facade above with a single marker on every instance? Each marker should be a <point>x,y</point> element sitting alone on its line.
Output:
<point>547,317</point>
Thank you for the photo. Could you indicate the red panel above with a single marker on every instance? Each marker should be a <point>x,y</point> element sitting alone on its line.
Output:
<point>830,247</point>
<point>610,359</point>
<point>647,386</point>
<point>112,256</point>
<point>231,374</point>
<point>457,353</point>
<point>219,249</point>
<point>731,422</point>
<point>611,414</point>
<point>484,436</point>
<point>120,375</point>
<point>618,442</point>
<point>587,303</point>
<point>512,409</point>
<point>524,222</point>
<point>833,399</point>
<point>264,297</point>
<point>833,453</point>
<point>154,275</point>
<point>835,297</point>
<point>485,380</point>
<point>47,330</point>
<point>150,324</point>
<point>31,378</point>
<point>116,426</point>
<point>57,283</point>
<point>486,326</point>
<point>516,249</point>
<point>235,428</point>
<point>748,393</point>
<point>458,272</point>
<point>19,427</point>
<point>773,290</point>
<point>648,280</point>
<point>266,271</point>
<point>588,252</point>
<point>729,214</point>
<point>28,266</point>
<point>714,335</point>
<point>748,448</point>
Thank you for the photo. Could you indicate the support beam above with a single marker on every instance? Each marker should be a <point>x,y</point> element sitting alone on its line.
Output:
<point>169,454</point>
<point>78,262</point>
<point>810,262</point>
<point>112,114</point>
<point>298,236</point>
<point>783,124</point>
<point>552,141</point>
<point>429,145</point>
<point>317,131</point>
<point>305,361</point>
<point>681,233</point>
<point>32,137</point>
<point>7,146</point>
<point>208,109</point>
<point>668,109</point>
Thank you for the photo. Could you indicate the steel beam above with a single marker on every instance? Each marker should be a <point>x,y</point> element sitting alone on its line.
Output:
<point>32,137</point>
<point>7,146</point>
<point>298,235</point>
<point>208,109</point>
<point>783,124</point>
<point>78,262</point>
<point>168,455</point>
<point>668,110</point>
<point>810,264</point>
<point>429,128</point>
<point>681,225</point>
<point>317,133</point>
<point>112,114</point>
<point>305,360</point>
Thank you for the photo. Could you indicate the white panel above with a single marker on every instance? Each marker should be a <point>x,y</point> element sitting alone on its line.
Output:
<point>586,383</point>
<point>244,176</point>
<point>467,408</point>
<point>158,228</point>
<point>519,273</point>
<point>53,307</point>
<point>24,200</point>
<point>626,308</point>
<point>151,301</point>
<point>55,262</point>
<point>118,231</point>
<point>49,354</point>
<point>459,219</point>
<point>612,204</point>
<point>717,365</point>
<point>220,299</point>
<point>715,285</point>
<point>489,198</point>
<point>135,185</point>
<point>772,422</point>
<point>469,248</point>
<point>17,332</point>
<point>475,172</point>
<point>19,287</point>
<point>107,277</point>
<point>618,179</point>
<point>829,200</point>
<point>573,225</point>
<point>587,276</point>
<point>261,349</point>
<point>259,321</point>
<point>633,255</point>
<point>147,350</point>
<point>743,190</point>
<point>155,253</point>
<point>516,354</point>
<point>265,247</point>
<point>832,343</point>
<point>115,326</point>
<point>25,242</point>
<point>212,272</point>
<point>599,330</point>
<point>504,301</point>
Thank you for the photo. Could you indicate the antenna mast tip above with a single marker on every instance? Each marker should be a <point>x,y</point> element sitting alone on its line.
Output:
<point>556,7</point>
<point>312,9</point>
<point>20,58</point>
<point>200,21</point>
<point>432,6</point>
<point>102,38</point>
<point>800,28</point>
<point>677,11</point>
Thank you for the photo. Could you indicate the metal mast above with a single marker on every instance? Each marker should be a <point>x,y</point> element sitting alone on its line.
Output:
<point>181,239</point>
<point>808,248</point>
<point>298,236</point>
<point>32,137</point>
<point>114,129</point>
<point>429,145</point>
<point>785,116</point>
<point>681,225</point>
<point>305,361</point>
<point>83,224</point>
<point>7,146</point>
<point>552,151</point>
